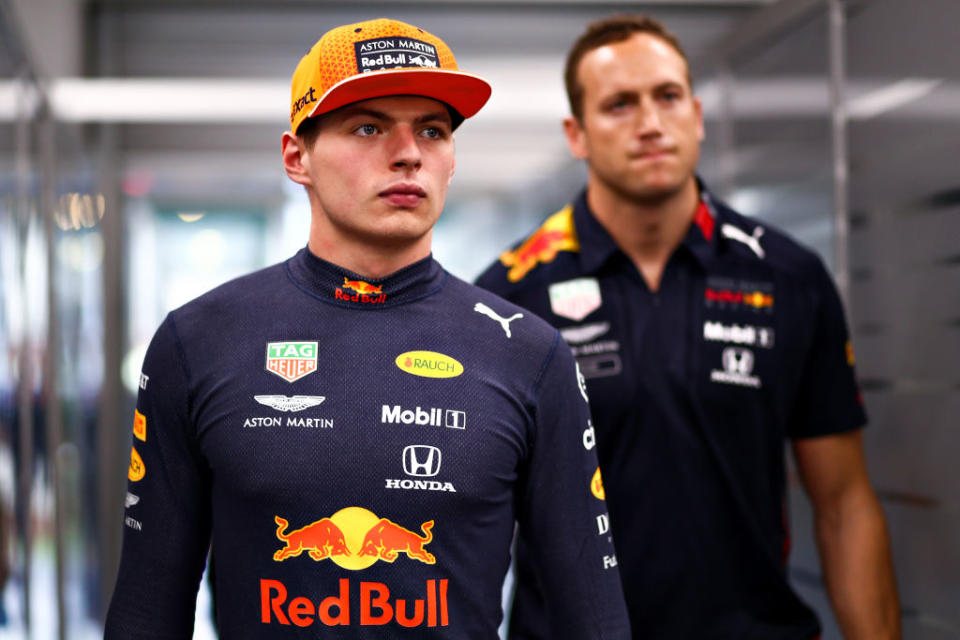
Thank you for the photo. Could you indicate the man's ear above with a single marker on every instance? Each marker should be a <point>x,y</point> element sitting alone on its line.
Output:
<point>576,137</point>
<point>296,160</point>
<point>698,107</point>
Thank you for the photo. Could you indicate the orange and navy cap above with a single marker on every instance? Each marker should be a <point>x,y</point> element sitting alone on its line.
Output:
<point>381,58</point>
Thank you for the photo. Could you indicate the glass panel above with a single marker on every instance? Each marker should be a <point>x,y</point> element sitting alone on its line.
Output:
<point>905,277</point>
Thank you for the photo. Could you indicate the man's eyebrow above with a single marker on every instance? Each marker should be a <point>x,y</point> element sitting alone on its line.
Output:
<point>435,116</point>
<point>442,116</point>
<point>670,84</point>
<point>365,111</point>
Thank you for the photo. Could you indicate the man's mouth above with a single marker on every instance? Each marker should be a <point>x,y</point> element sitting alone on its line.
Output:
<point>403,195</point>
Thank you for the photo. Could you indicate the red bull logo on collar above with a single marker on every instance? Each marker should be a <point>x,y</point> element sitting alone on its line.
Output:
<point>556,234</point>
<point>365,292</point>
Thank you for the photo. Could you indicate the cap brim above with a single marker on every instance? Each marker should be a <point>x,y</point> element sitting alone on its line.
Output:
<point>465,92</point>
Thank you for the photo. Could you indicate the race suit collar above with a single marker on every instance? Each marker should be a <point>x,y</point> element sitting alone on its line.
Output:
<point>336,285</point>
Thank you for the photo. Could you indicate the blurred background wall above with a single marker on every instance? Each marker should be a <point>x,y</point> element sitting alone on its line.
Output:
<point>139,166</point>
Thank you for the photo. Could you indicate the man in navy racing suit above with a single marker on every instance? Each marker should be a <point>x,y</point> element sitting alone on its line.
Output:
<point>356,431</point>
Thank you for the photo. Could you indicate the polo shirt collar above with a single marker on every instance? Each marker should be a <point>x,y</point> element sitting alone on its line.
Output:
<point>597,246</point>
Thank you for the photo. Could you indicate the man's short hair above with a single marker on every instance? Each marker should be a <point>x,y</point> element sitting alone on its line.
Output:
<point>308,131</point>
<point>604,32</point>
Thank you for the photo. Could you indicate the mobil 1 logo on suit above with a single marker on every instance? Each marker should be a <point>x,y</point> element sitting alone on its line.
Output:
<point>424,416</point>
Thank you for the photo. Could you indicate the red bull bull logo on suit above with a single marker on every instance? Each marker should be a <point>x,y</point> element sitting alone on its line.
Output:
<point>354,538</point>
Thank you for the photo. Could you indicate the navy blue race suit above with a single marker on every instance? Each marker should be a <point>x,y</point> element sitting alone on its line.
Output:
<point>358,453</point>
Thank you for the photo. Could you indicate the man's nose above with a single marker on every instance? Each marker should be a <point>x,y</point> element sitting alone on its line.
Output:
<point>648,119</point>
<point>405,148</point>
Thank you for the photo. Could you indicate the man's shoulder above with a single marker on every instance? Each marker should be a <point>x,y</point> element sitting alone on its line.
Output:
<point>236,297</point>
<point>547,254</point>
<point>756,240</point>
<point>484,306</point>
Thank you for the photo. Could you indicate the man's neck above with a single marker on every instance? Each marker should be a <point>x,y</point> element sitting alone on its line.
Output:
<point>647,231</point>
<point>366,260</point>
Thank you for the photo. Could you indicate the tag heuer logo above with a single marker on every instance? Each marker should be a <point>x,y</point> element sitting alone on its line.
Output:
<point>575,299</point>
<point>291,360</point>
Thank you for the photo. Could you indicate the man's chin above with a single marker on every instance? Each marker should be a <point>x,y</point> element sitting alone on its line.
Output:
<point>654,191</point>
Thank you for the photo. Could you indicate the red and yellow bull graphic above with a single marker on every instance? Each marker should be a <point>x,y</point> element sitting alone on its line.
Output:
<point>557,233</point>
<point>355,538</point>
<point>755,299</point>
<point>139,426</point>
<point>365,292</point>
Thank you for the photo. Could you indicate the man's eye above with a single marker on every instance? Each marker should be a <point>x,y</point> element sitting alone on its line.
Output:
<point>617,105</point>
<point>365,130</point>
<point>433,132</point>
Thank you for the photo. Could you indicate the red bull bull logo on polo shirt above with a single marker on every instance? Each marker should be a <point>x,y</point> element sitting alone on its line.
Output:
<point>291,360</point>
<point>354,538</point>
<point>557,233</point>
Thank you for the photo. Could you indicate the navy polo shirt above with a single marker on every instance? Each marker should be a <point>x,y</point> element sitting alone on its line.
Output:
<point>694,390</point>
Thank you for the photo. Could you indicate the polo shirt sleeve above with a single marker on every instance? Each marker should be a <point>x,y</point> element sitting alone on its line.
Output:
<point>167,514</point>
<point>562,515</point>
<point>829,399</point>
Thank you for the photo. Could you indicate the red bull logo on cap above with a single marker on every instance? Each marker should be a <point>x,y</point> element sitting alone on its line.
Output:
<point>557,233</point>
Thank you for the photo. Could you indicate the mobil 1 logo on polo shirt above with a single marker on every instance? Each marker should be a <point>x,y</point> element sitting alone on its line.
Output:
<point>393,52</point>
<point>291,360</point>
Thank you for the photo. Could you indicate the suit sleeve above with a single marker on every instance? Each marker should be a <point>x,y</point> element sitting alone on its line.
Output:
<point>828,399</point>
<point>167,514</point>
<point>563,521</point>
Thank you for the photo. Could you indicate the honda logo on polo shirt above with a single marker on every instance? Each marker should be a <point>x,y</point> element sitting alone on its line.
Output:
<point>420,460</point>
<point>737,361</point>
<point>737,368</point>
